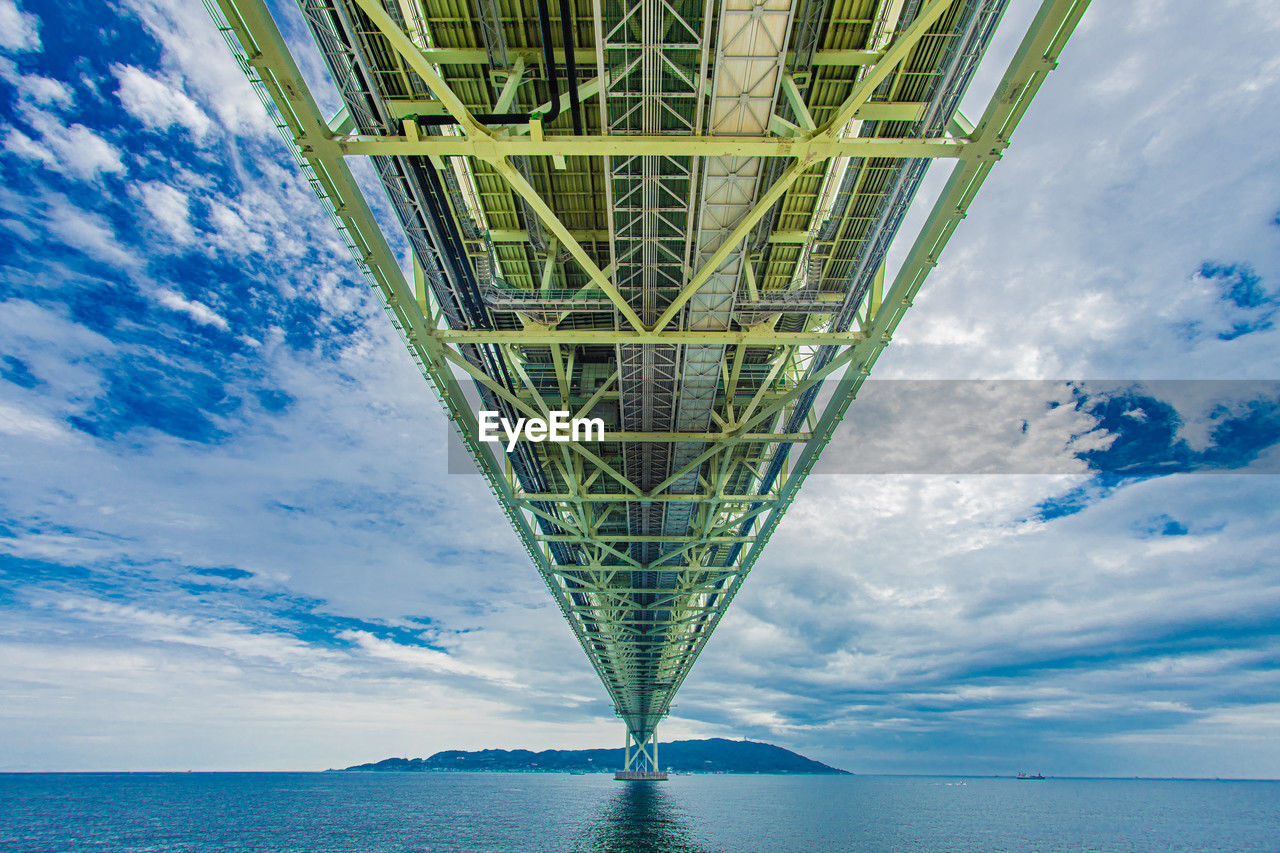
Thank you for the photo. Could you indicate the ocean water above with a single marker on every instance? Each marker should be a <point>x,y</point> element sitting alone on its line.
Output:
<point>381,813</point>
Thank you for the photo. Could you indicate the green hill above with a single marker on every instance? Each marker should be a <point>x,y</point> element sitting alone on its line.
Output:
<point>714,755</point>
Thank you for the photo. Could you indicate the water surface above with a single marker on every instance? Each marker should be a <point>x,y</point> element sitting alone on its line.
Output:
<point>430,812</point>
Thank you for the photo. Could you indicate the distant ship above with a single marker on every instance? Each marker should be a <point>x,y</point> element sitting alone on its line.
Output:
<point>1029,776</point>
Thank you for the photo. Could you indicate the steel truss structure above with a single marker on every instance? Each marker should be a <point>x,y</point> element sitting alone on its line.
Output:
<point>669,214</point>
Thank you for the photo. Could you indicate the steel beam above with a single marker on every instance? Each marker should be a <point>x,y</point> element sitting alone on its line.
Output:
<point>533,57</point>
<point>810,149</point>
<point>828,134</point>
<point>749,337</point>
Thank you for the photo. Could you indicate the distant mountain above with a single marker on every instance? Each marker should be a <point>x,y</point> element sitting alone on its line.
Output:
<point>714,755</point>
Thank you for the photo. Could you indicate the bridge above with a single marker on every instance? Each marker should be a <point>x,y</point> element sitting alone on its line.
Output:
<point>671,215</point>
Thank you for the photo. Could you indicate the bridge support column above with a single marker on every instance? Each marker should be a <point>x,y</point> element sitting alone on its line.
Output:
<point>640,758</point>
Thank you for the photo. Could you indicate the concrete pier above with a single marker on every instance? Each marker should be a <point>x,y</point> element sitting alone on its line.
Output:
<point>640,776</point>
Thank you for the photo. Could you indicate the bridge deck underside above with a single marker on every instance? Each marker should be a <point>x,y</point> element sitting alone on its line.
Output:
<point>693,298</point>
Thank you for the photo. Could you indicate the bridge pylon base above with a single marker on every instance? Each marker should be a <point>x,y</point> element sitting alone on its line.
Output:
<point>640,776</point>
<point>640,758</point>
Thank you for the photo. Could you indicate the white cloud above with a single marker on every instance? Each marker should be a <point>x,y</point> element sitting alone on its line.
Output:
<point>169,209</point>
<point>19,31</point>
<point>87,232</point>
<point>197,311</point>
<point>84,153</point>
<point>223,636</point>
<point>418,657</point>
<point>29,332</point>
<point>195,53</point>
<point>157,103</point>
<point>232,233</point>
<point>15,421</point>
<point>19,143</point>
<point>74,150</point>
<point>45,90</point>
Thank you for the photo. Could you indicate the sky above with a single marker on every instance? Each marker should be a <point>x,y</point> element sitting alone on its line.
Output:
<point>228,538</point>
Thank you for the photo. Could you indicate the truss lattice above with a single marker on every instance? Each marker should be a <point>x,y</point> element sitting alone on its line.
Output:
<point>683,236</point>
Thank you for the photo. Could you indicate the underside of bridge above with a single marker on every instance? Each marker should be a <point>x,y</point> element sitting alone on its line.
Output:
<point>672,215</point>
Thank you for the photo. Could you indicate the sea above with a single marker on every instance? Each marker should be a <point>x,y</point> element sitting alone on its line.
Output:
<point>525,812</point>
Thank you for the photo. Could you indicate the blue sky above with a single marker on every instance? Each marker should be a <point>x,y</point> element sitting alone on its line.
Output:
<point>228,539</point>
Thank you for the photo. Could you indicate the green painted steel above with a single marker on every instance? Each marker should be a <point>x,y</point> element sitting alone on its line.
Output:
<point>691,266</point>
